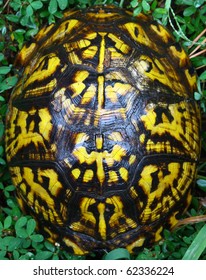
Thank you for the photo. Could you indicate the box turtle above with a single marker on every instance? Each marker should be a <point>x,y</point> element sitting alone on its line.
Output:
<point>102,133</point>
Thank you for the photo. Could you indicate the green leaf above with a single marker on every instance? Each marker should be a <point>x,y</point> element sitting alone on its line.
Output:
<point>30,227</point>
<point>11,203</point>
<point>21,222</point>
<point>167,4</point>
<point>2,255</point>
<point>14,244</point>
<point>62,4</point>
<point>24,20</point>
<point>134,3</point>
<point>36,5</point>
<point>137,11</point>
<point>16,254</point>
<point>1,56</point>
<point>2,161</point>
<point>10,188</point>
<point>1,150</point>
<point>29,11</point>
<point>189,11</point>
<point>197,95</point>
<point>26,243</point>
<point>202,184</point>
<point>161,11</point>
<point>145,6</point>
<point>198,3</point>
<point>1,129</point>
<point>49,246</point>
<point>1,226</point>
<point>4,70</point>
<point>8,83</point>
<point>7,222</point>
<point>203,76</point>
<point>37,237</point>
<point>197,247</point>
<point>52,6</point>
<point>13,18</point>
<point>21,232</point>
<point>117,254</point>
<point>43,255</point>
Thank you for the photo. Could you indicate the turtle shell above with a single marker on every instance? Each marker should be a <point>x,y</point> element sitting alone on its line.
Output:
<point>102,134</point>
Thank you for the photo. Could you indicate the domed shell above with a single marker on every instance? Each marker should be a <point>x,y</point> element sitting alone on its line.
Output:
<point>102,135</point>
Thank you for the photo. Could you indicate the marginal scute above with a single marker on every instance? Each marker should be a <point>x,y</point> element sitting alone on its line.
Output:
<point>102,131</point>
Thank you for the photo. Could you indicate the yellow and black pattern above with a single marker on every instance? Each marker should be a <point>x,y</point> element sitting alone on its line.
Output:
<point>102,133</point>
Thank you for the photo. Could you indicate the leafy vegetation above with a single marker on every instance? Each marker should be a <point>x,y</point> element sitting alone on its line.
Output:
<point>20,20</point>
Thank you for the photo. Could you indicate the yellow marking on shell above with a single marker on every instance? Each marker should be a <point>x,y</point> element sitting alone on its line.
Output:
<point>100,67</point>
<point>78,86</point>
<point>88,175</point>
<point>137,243</point>
<point>99,142</point>
<point>146,179</point>
<point>45,124</point>
<point>140,35</point>
<point>85,203</point>
<point>116,201</point>
<point>158,234</point>
<point>103,114</point>
<point>52,237</point>
<point>24,55</point>
<point>86,218</point>
<point>159,69</point>
<point>40,73</point>
<point>25,177</point>
<point>43,32</point>
<point>124,173</point>
<point>173,220</point>
<point>72,111</point>
<point>64,29</point>
<point>118,152</point>
<point>99,157</point>
<point>72,55</point>
<point>113,177</point>
<point>100,168</point>
<point>101,97</point>
<point>180,55</point>
<point>81,138</point>
<point>142,138</point>
<point>90,52</point>
<point>40,90</point>
<point>133,192</point>
<point>54,184</point>
<point>87,121</point>
<point>27,134</point>
<point>164,184</point>
<point>192,80</point>
<point>80,44</point>
<point>116,136</point>
<point>145,65</point>
<point>77,249</point>
<point>119,44</point>
<point>76,173</point>
<point>163,34</point>
<point>90,35</point>
<point>85,51</point>
<point>89,94</point>
<point>102,224</point>
<point>176,131</point>
<point>112,92</point>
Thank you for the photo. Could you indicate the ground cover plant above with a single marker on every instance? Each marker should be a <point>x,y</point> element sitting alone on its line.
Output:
<point>19,21</point>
